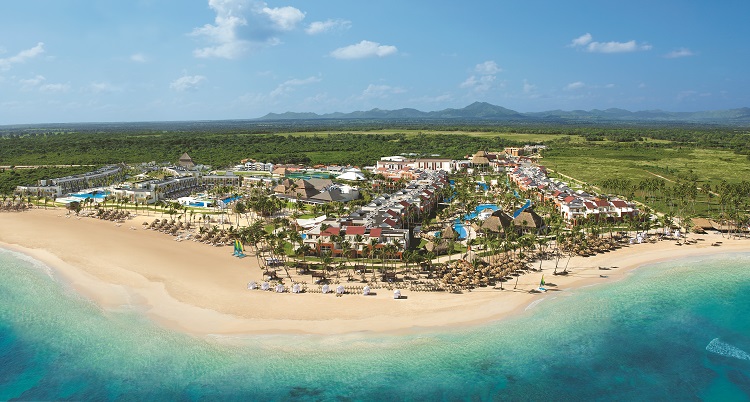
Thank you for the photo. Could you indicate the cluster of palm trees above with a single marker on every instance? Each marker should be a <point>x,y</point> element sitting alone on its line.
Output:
<point>679,201</point>
<point>15,203</point>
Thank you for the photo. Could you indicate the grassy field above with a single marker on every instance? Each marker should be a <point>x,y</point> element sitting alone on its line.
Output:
<point>599,163</point>
<point>521,137</point>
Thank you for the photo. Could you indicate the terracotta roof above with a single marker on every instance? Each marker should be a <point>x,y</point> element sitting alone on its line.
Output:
<point>390,222</point>
<point>331,231</point>
<point>375,232</point>
<point>355,230</point>
<point>620,204</point>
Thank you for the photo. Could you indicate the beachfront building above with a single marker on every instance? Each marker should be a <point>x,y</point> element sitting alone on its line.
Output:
<point>572,204</point>
<point>174,187</point>
<point>101,177</point>
<point>387,220</point>
<point>217,180</point>
<point>133,194</point>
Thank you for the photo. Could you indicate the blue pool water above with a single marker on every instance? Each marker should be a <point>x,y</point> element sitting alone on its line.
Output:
<point>672,331</point>
<point>231,199</point>
<point>458,225</point>
<point>98,195</point>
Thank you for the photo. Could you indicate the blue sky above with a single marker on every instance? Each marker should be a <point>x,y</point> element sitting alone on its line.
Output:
<point>147,60</point>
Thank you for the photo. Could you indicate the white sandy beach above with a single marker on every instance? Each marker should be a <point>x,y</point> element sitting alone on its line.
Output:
<point>201,289</point>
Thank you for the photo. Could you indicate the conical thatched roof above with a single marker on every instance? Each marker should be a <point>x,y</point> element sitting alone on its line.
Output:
<point>186,161</point>
<point>493,224</point>
<point>480,158</point>
<point>529,219</point>
<point>448,233</point>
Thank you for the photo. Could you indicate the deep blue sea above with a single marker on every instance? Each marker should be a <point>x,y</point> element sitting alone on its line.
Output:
<point>672,331</point>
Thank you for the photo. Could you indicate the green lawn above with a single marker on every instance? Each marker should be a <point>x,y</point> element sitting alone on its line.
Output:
<point>598,163</point>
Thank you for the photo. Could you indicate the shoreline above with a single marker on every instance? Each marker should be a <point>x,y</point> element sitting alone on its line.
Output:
<point>201,290</point>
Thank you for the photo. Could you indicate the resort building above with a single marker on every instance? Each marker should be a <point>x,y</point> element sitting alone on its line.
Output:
<point>573,205</point>
<point>401,163</point>
<point>435,164</point>
<point>258,166</point>
<point>70,184</point>
<point>387,220</point>
<point>174,187</point>
<point>215,180</point>
<point>186,161</point>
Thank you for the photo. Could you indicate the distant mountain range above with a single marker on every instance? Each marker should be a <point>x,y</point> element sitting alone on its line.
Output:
<point>488,112</point>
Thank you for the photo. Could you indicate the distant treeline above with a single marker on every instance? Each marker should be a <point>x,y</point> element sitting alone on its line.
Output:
<point>224,143</point>
<point>226,149</point>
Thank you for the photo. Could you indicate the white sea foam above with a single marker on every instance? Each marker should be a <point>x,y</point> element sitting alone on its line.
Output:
<point>533,304</point>
<point>725,349</point>
<point>31,260</point>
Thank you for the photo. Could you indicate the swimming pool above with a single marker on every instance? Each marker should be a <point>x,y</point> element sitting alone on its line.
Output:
<point>98,195</point>
<point>458,225</point>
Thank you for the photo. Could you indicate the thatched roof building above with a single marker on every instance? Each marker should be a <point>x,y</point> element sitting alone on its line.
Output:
<point>529,221</point>
<point>186,161</point>
<point>480,159</point>
<point>497,222</point>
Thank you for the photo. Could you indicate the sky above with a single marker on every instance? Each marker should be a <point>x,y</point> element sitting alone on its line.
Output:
<point>163,60</point>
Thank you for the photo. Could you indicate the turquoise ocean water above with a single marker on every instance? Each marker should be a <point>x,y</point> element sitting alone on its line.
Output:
<point>673,331</point>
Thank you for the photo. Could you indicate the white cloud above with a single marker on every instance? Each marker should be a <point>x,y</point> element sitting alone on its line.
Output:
<point>487,68</point>
<point>138,58</point>
<point>380,91</point>
<point>587,43</point>
<point>31,83</point>
<point>22,56</point>
<point>479,84</point>
<point>103,87</point>
<point>484,78</point>
<point>243,24</point>
<point>582,40</point>
<point>289,85</point>
<point>527,87</point>
<point>319,27</point>
<point>363,50</point>
<point>54,88</point>
<point>574,86</point>
<point>38,83</point>
<point>187,83</point>
<point>682,52</point>
<point>285,18</point>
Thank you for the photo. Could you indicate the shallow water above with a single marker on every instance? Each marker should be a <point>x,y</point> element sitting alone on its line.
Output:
<point>673,331</point>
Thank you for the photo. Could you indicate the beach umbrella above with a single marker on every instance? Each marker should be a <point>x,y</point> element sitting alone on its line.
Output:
<point>252,285</point>
<point>340,289</point>
<point>265,286</point>
<point>279,288</point>
<point>325,289</point>
<point>296,288</point>
<point>396,294</point>
<point>366,290</point>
